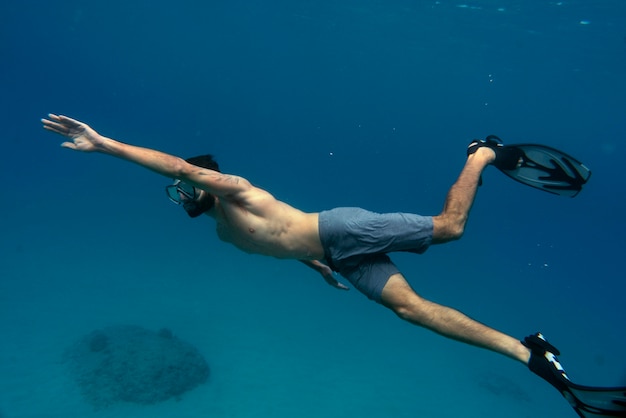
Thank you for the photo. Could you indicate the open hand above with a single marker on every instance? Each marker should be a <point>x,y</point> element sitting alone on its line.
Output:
<point>81,136</point>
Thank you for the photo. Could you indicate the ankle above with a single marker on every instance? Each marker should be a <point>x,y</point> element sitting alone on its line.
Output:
<point>523,354</point>
<point>485,155</point>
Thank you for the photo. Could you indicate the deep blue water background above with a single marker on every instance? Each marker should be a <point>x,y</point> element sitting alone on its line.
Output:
<point>324,103</point>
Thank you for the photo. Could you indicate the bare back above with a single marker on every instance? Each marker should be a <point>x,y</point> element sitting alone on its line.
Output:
<point>256,222</point>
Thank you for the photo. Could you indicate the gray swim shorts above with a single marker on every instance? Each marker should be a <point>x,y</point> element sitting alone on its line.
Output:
<point>356,243</point>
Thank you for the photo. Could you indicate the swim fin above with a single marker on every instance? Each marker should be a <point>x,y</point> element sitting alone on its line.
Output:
<point>538,166</point>
<point>587,401</point>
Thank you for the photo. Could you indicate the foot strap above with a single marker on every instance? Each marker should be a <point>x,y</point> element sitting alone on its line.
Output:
<point>507,158</point>
<point>544,363</point>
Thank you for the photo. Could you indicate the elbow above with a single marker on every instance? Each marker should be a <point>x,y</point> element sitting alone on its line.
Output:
<point>182,169</point>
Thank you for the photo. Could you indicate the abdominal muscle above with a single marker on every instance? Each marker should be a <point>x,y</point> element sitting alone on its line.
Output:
<point>276,230</point>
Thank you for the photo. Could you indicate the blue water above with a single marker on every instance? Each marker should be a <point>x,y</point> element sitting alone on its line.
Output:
<point>325,104</point>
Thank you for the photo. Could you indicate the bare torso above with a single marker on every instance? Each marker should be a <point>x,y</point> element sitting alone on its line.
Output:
<point>258,223</point>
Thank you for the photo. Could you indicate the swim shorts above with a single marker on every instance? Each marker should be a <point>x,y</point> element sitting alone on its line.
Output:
<point>356,243</point>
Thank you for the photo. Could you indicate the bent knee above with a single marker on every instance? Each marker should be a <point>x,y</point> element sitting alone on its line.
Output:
<point>401,299</point>
<point>447,228</point>
<point>411,308</point>
<point>415,311</point>
<point>404,312</point>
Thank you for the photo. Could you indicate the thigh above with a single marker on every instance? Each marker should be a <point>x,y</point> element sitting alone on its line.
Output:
<point>349,233</point>
<point>397,292</point>
<point>370,274</point>
<point>389,232</point>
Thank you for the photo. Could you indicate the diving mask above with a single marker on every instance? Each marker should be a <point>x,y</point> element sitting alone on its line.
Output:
<point>181,193</point>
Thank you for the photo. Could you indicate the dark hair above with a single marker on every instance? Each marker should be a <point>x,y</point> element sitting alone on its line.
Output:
<point>204,161</point>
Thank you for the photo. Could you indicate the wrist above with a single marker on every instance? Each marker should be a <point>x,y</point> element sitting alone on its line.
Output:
<point>107,145</point>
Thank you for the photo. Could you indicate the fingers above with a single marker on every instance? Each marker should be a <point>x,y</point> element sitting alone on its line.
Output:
<point>336,284</point>
<point>55,127</point>
<point>61,121</point>
<point>53,122</point>
<point>60,124</point>
<point>67,121</point>
<point>69,145</point>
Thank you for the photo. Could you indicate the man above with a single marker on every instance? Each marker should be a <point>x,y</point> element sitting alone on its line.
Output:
<point>352,241</point>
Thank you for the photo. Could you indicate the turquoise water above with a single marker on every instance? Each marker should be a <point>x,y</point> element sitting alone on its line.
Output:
<point>325,104</point>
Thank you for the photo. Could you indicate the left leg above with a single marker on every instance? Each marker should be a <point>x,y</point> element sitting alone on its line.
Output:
<point>449,225</point>
<point>398,296</point>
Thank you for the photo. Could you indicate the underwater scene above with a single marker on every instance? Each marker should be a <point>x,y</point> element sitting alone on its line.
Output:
<point>115,303</point>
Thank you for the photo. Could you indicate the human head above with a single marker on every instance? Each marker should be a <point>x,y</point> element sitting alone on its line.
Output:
<point>206,200</point>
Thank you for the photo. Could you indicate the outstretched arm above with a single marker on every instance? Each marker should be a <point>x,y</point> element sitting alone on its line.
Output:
<point>81,137</point>
<point>326,273</point>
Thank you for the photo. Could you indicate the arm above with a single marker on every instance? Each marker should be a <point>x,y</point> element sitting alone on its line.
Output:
<point>326,273</point>
<point>83,138</point>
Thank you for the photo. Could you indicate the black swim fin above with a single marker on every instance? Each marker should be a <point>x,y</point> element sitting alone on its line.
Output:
<point>538,166</point>
<point>587,401</point>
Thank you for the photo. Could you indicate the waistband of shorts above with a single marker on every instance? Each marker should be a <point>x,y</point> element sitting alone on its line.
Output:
<point>322,226</point>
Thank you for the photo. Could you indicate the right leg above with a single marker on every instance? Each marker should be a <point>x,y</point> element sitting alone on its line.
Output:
<point>450,224</point>
<point>398,296</point>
